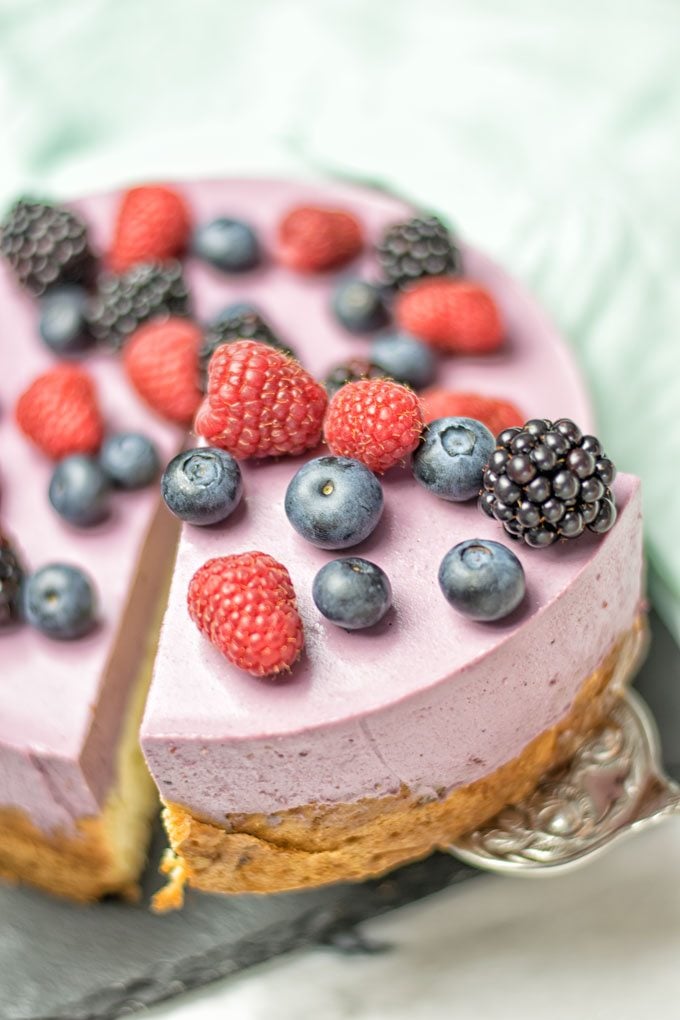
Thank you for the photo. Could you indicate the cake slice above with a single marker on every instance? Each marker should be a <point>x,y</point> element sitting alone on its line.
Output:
<point>382,744</point>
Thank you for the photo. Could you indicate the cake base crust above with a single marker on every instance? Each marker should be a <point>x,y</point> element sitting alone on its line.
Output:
<point>318,844</point>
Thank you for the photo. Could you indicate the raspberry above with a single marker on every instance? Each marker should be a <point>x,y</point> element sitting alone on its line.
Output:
<point>60,413</point>
<point>245,605</point>
<point>161,361</point>
<point>313,238</point>
<point>376,421</point>
<point>452,315</point>
<point>153,225</point>
<point>260,402</point>
<point>495,414</point>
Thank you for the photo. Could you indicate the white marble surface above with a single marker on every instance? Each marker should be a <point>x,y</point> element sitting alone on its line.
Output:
<point>602,943</point>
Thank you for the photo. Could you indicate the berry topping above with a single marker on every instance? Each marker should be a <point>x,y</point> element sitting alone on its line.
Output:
<point>494,413</point>
<point>79,490</point>
<point>202,486</point>
<point>146,291</point>
<point>230,245</point>
<point>152,226</point>
<point>239,322</point>
<point>59,412</point>
<point>482,580</point>
<point>11,576</point>
<point>359,306</point>
<point>546,481</point>
<point>245,605</point>
<point>59,601</point>
<point>312,238</point>
<point>44,245</point>
<point>130,460</point>
<point>417,248</point>
<point>452,315</point>
<point>376,421</point>
<point>404,359</point>
<point>352,593</point>
<point>334,502</point>
<point>451,457</point>
<point>161,361</point>
<point>260,403</point>
<point>351,371</point>
<point>63,320</point>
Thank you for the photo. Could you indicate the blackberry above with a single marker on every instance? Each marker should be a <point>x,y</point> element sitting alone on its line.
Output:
<point>44,245</point>
<point>122,303</point>
<point>351,371</point>
<point>547,481</point>
<point>11,576</point>
<point>418,247</point>
<point>243,323</point>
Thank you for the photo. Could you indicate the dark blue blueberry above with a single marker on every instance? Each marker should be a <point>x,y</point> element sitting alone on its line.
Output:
<point>451,457</point>
<point>63,320</point>
<point>202,486</point>
<point>59,601</point>
<point>483,580</point>
<point>235,310</point>
<point>231,245</point>
<point>79,490</point>
<point>352,593</point>
<point>404,359</point>
<point>334,502</point>
<point>130,460</point>
<point>359,306</point>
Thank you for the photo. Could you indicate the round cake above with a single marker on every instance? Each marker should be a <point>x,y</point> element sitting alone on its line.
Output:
<point>351,748</point>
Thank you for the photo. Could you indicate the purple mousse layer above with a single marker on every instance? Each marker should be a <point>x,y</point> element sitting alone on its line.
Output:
<point>61,703</point>
<point>426,699</point>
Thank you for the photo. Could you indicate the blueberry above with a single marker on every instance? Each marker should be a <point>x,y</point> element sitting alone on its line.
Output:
<point>235,310</point>
<point>482,580</point>
<point>130,460</point>
<point>451,457</point>
<point>59,601</point>
<point>79,490</point>
<point>352,593</point>
<point>359,306</point>
<point>231,245</point>
<point>334,502</point>
<point>202,486</point>
<point>63,320</point>
<point>404,359</point>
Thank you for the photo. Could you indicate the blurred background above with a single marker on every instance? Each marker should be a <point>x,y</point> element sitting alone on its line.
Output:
<point>547,132</point>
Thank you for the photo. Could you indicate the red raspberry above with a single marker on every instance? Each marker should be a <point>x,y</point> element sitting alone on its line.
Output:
<point>161,361</point>
<point>60,413</point>
<point>313,238</point>
<point>495,414</point>
<point>153,225</point>
<point>376,421</point>
<point>452,315</point>
<point>260,402</point>
<point>245,605</point>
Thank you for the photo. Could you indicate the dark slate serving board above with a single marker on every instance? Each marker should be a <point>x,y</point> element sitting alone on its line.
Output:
<point>61,962</point>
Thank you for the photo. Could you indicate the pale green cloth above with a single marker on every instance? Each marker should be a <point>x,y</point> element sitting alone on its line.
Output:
<point>547,131</point>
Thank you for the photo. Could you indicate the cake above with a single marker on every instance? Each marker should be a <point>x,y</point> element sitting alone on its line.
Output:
<point>372,747</point>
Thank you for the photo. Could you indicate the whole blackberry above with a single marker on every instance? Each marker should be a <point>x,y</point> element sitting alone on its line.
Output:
<point>351,371</point>
<point>241,324</point>
<point>11,576</point>
<point>418,247</point>
<point>546,481</point>
<point>45,244</point>
<point>122,303</point>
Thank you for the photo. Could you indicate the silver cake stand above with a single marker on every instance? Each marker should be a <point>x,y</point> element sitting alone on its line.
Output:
<point>614,786</point>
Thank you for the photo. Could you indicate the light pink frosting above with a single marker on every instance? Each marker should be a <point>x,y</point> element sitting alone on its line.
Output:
<point>427,698</point>
<point>61,703</point>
